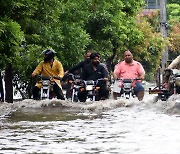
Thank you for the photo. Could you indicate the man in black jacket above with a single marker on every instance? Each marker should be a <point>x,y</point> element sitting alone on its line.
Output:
<point>94,71</point>
<point>79,67</point>
<point>82,64</point>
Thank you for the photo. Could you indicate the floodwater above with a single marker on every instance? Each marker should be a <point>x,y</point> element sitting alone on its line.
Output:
<point>110,126</point>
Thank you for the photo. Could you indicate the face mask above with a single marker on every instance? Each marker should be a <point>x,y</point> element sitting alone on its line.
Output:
<point>96,63</point>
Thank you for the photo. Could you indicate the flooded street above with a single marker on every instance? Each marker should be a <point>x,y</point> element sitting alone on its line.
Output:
<point>121,126</point>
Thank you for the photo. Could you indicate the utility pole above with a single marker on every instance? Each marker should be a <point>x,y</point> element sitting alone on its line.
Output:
<point>163,28</point>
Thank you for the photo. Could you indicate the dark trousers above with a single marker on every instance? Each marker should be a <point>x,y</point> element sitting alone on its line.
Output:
<point>103,92</point>
<point>56,90</point>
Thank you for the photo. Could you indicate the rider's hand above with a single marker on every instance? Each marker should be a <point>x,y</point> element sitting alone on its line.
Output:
<point>66,72</point>
<point>115,76</point>
<point>139,79</point>
<point>106,79</point>
<point>33,75</point>
<point>56,77</point>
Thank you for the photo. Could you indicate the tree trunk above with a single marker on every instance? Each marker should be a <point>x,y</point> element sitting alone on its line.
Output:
<point>109,60</point>
<point>8,84</point>
<point>1,89</point>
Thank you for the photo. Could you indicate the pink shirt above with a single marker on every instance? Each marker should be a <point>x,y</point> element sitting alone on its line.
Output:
<point>124,70</point>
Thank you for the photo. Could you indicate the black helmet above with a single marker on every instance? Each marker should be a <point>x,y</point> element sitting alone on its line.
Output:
<point>48,54</point>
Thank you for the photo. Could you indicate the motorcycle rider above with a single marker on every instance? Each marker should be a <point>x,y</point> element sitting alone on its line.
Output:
<point>130,69</point>
<point>49,67</point>
<point>174,67</point>
<point>82,64</point>
<point>175,63</point>
<point>94,71</point>
<point>79,67</point>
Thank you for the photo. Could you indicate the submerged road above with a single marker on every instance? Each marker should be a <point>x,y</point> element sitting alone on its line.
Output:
<point>110,126</point>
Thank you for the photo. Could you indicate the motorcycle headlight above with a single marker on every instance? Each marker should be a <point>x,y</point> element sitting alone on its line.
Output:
<point>45,82</point>
<point>89,87</point>
<point>178,81</point>
<point>127,85</point>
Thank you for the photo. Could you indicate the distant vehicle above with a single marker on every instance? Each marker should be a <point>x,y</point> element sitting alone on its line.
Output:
<point>172,86</point>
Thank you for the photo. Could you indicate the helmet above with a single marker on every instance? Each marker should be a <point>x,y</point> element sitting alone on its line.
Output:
<point>48,54</point>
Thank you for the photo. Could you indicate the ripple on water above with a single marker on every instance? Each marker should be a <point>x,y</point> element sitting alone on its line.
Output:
<point>122,126</point>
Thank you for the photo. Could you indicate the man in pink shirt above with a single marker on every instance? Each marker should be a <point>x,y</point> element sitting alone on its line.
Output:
<point>130,69</point>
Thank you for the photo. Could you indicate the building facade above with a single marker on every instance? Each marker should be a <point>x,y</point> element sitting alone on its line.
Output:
<point>152,4</point>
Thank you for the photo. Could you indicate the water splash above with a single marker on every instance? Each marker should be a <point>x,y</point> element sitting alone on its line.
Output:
<point>97,106</point>
<point>171,106</point>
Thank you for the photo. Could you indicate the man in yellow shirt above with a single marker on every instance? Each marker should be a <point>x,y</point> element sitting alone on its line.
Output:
<point>52,68</point>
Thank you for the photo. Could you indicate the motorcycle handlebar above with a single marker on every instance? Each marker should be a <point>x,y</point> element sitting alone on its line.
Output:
<point>129,79</point>
<point>48,77</point>
<point>94,82</point>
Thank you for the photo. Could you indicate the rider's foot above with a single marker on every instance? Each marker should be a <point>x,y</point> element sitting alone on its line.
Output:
<point>140,95</point>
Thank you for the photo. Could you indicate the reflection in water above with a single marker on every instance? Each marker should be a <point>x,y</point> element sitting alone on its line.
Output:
<point>41,115</point>
<point>122,126</point>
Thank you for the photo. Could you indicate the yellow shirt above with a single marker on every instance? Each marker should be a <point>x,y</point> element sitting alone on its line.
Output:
<point>45,69</point>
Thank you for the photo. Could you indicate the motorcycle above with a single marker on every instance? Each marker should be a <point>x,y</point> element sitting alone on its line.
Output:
<point>75,84</point>
<point>127,89</point>
<point>174,81</point>
<point>90,89</point>
<point>46,91</point>
<point>170,87</point>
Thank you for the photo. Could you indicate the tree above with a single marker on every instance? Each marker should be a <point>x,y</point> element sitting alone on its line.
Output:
<point>11,37</point>
<point>173,1</point>
<point>1,89</point>
<point>174,29</point>
<point>52,25</point>
<point>112,27</point>
<point>70,27</point>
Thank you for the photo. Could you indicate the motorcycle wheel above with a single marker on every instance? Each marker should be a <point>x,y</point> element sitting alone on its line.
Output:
<point>68,93</point>
<point>75,99</point>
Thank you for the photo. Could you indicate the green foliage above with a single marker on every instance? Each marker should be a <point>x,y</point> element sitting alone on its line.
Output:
<point>73,17</point>
<point>70,27</point>
<point>149,48</point>
<point>17,9</point>
<point>173,11</point>
<point>11,37</point>
<point>112,24</point>
<point>26,60</point>
<point>78,38</point>
<point>173,1</point>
